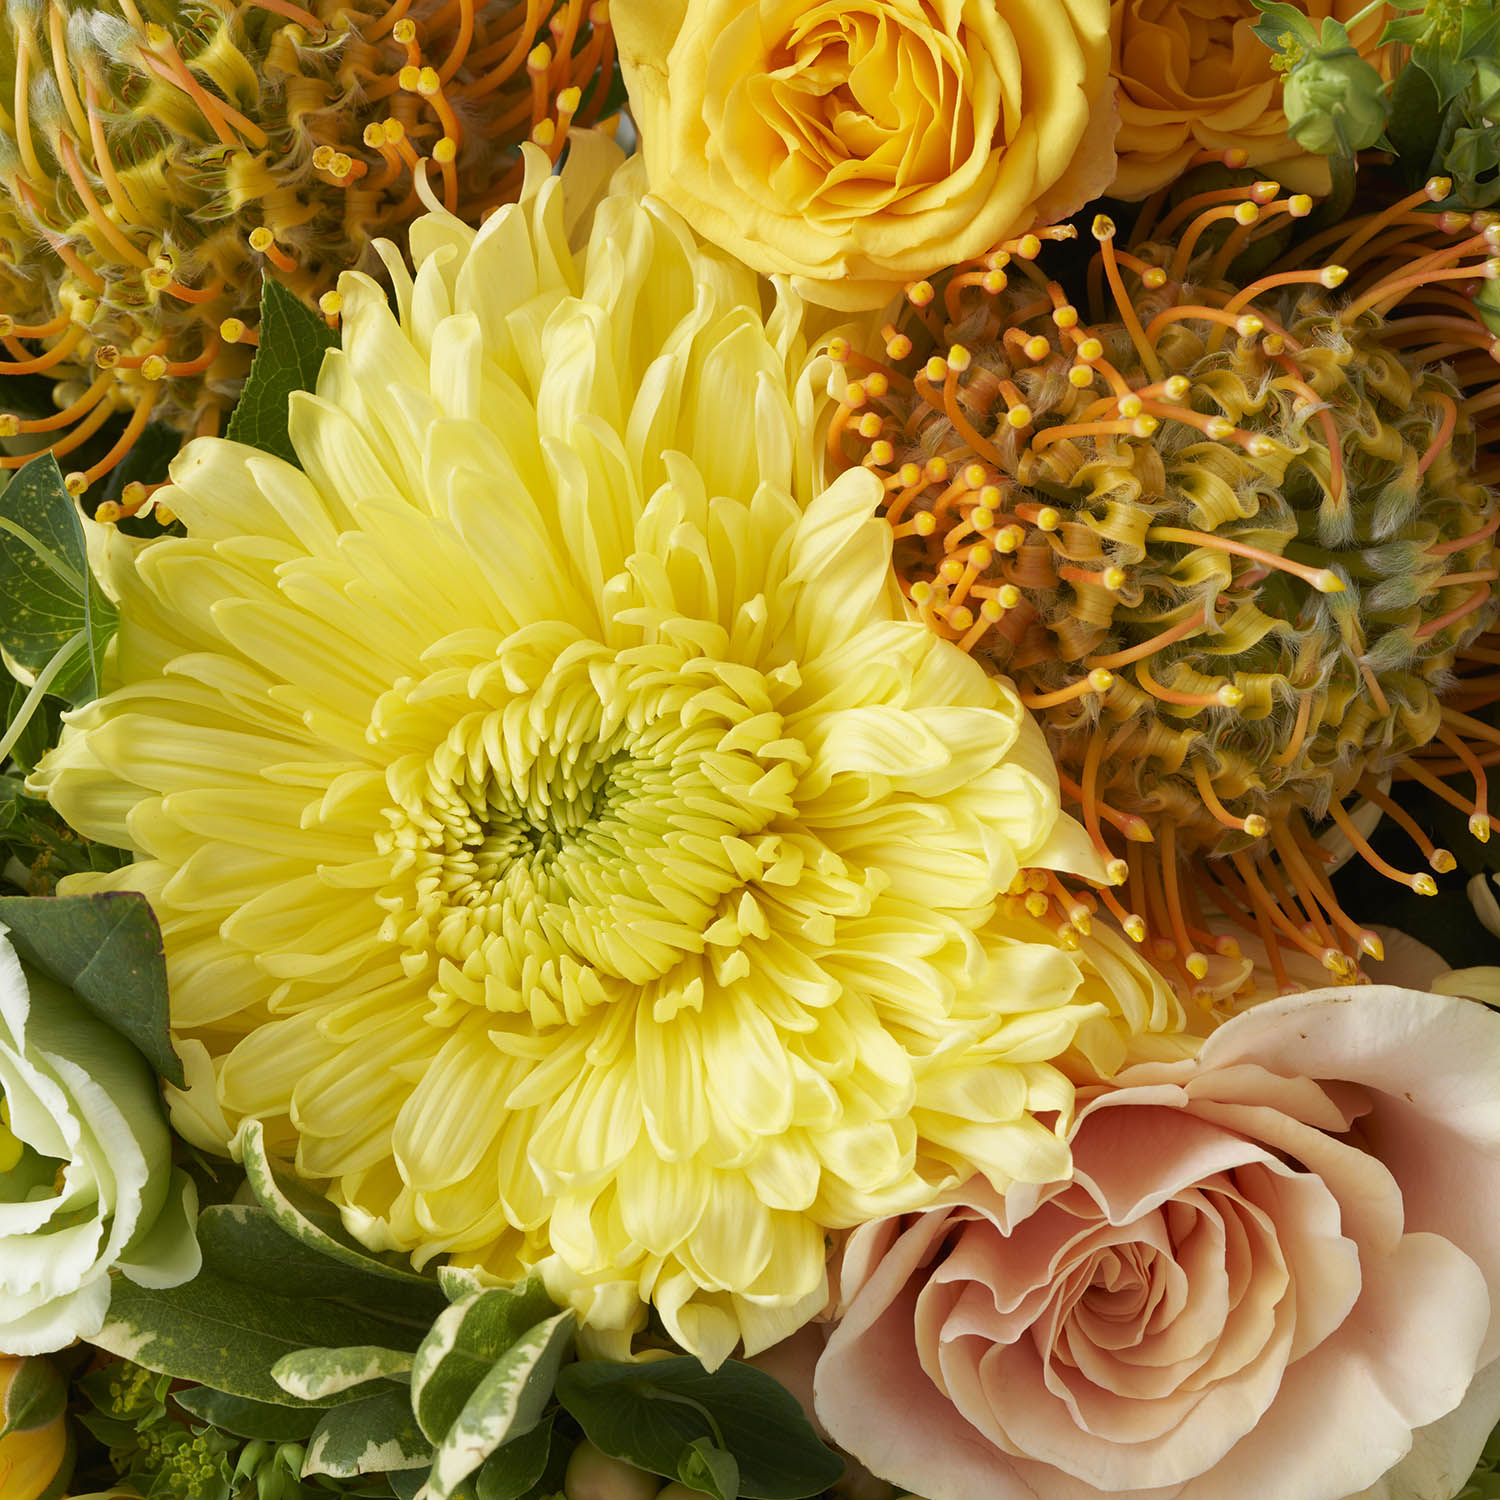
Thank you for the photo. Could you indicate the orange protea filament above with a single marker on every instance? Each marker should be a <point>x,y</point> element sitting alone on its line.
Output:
<point>195,147</point>
<point>1243,546</point>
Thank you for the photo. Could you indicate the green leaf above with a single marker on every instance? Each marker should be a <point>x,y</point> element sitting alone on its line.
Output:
<point>312,1374</point>
<point>43,846</point>
<point>249,1419</point>
<point>295,1210</point>
<point>36,1397</point>
<point>649,1414</point>
<point>1416,118</point>
<point>507,1403</point>
<point>293,340</point>
<point>464,1343</point>
<point>1279,19</point>
<point>516,1466</point>
<point>372,1436</point>
<point>227,1334</point>
<point>707,1467</point>
<point>244,1243</point>
<point>33,737</point>
<point>50,595</point>
<point>107,950</point>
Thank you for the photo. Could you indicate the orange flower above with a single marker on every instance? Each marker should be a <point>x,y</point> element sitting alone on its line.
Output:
<point>1193,76</point>
<point>863,144</point>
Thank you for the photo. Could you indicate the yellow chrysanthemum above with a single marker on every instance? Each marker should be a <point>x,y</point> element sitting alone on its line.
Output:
<point>562,840</point>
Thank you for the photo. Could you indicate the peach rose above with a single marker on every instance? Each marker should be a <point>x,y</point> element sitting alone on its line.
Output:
<point>861,144</point>
<point>1193,76</point>
<point>1269,1275</point>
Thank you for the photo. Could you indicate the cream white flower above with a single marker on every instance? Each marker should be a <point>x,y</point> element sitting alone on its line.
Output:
<point>562,840</point>
<point>86,1177</point>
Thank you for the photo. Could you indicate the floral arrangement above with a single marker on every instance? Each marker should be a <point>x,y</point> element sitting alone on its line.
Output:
<point>746,749</point>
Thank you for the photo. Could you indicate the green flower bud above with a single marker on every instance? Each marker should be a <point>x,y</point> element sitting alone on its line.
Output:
<point>1327,93</point>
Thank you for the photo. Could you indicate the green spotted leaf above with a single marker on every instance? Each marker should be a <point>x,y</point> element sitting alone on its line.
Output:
<point>312,1221</point>
<point>372,1436</point>
<point>293,341</point>
<point>515,1468</point>
<point>56,621</point>
<point>249,1419</point>
<point>506,1404</point>
<point>245,1243</point>
<point>227,1334</point>
<point>312,1374</point>
<point>463,1344</point>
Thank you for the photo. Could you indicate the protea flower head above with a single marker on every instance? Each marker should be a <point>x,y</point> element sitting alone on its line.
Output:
<point>1227,538</point>
<point>158,157</point>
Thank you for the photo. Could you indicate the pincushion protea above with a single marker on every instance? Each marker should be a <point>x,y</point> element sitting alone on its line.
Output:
<point>155,158</point>
<point>1229,540</point>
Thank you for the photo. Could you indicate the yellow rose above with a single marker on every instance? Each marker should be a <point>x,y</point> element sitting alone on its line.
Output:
<point>859,146</point>
<point>1194,77</point>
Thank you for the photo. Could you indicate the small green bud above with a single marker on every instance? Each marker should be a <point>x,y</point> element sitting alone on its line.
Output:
<point>1327,93</point>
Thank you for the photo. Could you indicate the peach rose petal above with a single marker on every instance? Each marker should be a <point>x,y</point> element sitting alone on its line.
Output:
<point>1270,1273</point>
<point>1436,1124</point>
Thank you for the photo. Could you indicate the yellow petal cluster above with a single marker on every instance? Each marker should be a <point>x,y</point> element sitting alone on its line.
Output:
<point>562,840</point>
<point>1194,77</point>
<point>861,144</point>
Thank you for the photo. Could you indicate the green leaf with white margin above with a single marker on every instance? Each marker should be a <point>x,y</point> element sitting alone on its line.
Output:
<point>55,614</point>
<point>226,1334</point>
<point>312,1374</point>
<point>249,1419</point>
<point>293,341</point>
<point>276,1195</point>
<point>463,1344</point>
<point>243,1242</point>
<point>410,1484</point>
<point>510,1472</point>
<point>372,1436</point>
<point>649,1414</point>
<point>106,949</point>
<point>506,1404</point>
